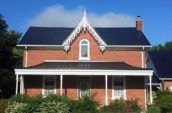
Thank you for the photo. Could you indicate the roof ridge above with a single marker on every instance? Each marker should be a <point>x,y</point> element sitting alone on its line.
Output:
<point>48,27</point>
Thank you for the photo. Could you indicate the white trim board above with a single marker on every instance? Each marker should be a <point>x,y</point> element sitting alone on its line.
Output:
<point>84,72</point>
<point>165,78</point>
<point>113,46</point>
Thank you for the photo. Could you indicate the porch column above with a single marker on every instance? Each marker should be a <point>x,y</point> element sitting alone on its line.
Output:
<point>61,85</point>
<point>17,76</point>
<point>106,90</point>
<point>21,84</point>
<point>150,89</point>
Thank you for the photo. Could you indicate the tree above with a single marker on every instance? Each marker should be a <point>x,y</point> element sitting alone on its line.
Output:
<point>9,58</point>
<point>166,47</point>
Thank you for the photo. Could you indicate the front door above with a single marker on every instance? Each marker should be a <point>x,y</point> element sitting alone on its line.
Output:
<point>84,87</point>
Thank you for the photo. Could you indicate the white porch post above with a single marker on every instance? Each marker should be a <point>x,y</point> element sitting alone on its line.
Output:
<point>17,83</point>
<point>20,78</point>
<point>21,85</point>
<point>61,84</point>
<point>106,90</point>
<point>150,89</point>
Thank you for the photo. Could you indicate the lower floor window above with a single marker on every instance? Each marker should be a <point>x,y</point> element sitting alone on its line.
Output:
<point>118,88</point>
<point>49,85</point>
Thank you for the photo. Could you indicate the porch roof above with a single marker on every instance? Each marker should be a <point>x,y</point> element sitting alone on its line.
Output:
<point>84,68</point>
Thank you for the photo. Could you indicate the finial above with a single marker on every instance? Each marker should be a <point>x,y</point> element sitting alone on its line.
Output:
<point>85,13</point>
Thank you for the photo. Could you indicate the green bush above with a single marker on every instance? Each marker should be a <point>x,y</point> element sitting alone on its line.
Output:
<point>38,104</point>
<point>62,104</point>
<point>164,101</point>
<point>153,109</point>
<point>3,104</point>
<point>122,106</point>
<point>52,107</point>
<point>34,103</point>
<point>19,98</point>
<point>58,98</point>
<point>16,107</point>
<point>84,105</point>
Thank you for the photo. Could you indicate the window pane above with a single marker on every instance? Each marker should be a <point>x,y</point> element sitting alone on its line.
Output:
<point>84,50</point>
<point>118,91</point>
<point>84,42</point>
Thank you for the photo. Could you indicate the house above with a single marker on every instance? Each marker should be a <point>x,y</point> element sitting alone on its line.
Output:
<point>161,62</point>
<point>108,63</point>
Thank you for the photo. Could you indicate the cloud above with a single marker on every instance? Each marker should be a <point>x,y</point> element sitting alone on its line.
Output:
<point>58,16</point>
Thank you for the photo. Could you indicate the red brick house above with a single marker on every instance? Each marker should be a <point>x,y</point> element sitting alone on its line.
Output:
<point>107,62</point>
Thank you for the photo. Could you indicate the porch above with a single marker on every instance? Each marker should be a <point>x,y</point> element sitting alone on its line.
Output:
<point>106,80</point>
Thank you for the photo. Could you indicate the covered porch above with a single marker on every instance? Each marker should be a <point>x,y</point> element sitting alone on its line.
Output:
<point>107,80</point>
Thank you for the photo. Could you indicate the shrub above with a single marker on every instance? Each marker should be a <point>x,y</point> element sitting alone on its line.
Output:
<point>153,109</point>
<point>53,107</point>
<point>19,98</point>
<point>122,106</point>
<point>164,101</point>
<point>84,105</point>
<point>34,103</point>
<point>3,104</point>
<point>16,107</point>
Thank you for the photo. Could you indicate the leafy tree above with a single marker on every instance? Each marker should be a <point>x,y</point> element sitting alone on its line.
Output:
<point>166,47</point>
<point>10,57</point>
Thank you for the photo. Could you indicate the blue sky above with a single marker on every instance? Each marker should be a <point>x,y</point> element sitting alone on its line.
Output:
<point>156,14</point>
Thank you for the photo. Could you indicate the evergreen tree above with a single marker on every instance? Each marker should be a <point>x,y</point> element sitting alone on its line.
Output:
<point>9,59</point>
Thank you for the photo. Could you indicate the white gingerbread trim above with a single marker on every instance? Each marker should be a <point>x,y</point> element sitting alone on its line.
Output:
<point>84,24</point>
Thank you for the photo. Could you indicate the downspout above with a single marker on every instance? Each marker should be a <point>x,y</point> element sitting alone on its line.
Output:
<point>145,87</point>
<point>26,57</point>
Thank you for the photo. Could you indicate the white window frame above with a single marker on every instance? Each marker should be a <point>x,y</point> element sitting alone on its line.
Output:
<point>124,88</point>
<point>88,50</point>
<point>43,84</point>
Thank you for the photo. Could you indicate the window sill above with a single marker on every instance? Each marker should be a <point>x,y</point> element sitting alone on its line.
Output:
<point>81,59</point>
<point>118,98</point>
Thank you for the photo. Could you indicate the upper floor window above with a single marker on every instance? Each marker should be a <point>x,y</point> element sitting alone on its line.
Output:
<point>84,50</point>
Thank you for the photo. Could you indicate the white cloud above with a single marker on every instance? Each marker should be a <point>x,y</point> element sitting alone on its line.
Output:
<point>58,16</point>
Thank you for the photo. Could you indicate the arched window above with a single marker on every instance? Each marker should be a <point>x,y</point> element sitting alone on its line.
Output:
<point>84,50</point>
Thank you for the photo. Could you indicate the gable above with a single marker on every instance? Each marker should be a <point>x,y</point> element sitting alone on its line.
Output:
<point>83,25</point>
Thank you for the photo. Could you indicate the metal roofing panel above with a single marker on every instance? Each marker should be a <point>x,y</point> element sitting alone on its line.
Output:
<point>162,61</point>
<point>56,36</point>
<point>85,66</point>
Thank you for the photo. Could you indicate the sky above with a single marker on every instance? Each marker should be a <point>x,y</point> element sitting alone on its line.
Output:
<point>156,15</point>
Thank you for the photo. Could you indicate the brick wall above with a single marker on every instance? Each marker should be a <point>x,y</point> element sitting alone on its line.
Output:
<point>167,84</point>
<point>33,85</point>
<point>135,89</point>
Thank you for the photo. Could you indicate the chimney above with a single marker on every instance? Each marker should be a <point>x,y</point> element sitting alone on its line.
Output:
<point>139,23</point>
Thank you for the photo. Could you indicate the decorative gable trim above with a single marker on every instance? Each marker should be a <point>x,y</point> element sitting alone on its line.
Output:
<point>85,25</point>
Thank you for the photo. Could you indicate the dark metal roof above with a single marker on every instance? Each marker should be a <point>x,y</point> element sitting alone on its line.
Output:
<point>155,79</point>
<point>85,66</point>
<point>45,35</point>
<point>56,36</point>
<point>162,61</point>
